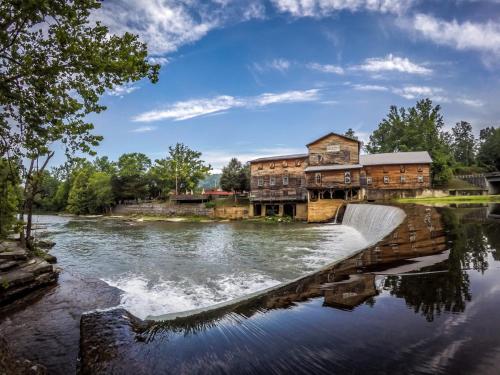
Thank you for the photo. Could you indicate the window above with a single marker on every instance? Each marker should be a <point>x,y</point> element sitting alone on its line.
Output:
<point>420,178</point>
<point>402,168</point>
<point>260,181</point>
<point>272,181</point>
<point>285,164</point>
<point>318,178</point>
<point>320,158</point>
<point>347,177</point>
<point>261,166</point>
<point>298,163</point>
<point>368,180</point>
<point>285,180</point>
<point>272,165</point>
<point>333,148</point>
<point>386,179</point>
<point>403,178</point>
<point>419,168</point>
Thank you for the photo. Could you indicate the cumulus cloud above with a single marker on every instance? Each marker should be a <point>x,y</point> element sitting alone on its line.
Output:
<point>470,102</point>
<point>326,68</point>
<point>484,37</point>
<point>392,63</point>
<point>323,8</point>
<point>188,109</point>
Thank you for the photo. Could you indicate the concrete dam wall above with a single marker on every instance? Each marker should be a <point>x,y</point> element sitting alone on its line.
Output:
<point>373,221</point>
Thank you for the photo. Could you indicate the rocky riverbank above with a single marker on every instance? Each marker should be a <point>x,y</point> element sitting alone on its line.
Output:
<point>22,273</point>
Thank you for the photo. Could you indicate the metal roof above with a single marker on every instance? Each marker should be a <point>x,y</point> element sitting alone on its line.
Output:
<point>281,157</point>
<point>332,167</point>
<point>417,157</point>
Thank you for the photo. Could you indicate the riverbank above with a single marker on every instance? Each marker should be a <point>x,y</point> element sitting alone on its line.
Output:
<point>453,199</point>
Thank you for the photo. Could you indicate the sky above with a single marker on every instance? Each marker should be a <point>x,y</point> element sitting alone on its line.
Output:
<point>258,78</point>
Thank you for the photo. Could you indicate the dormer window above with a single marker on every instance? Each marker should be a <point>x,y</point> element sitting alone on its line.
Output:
<point>272,165</point>
<point>285,164</point>
<point>298,163</point>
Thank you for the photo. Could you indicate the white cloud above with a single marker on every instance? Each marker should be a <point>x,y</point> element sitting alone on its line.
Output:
<point>287,97</point>
<point>281,65</point>
<point>327,68</point>
<point>158,60</point>
<point>188,109</point>
<point>470,102</point>
<point>122,90</point>
<point>166,25</point>
<point>323,8</point>
<point>414,92</point>
<point>361,87</point>
<point>392,63</point>
<point>144,129</point>
<point>483,37</point>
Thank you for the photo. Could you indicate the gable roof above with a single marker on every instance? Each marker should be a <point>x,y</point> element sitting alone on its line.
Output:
<point>280,157</point>
<point>414,157</point>
<point>336,134</point>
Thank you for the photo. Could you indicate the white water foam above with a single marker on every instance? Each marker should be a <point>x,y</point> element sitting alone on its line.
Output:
<point>143,299</point>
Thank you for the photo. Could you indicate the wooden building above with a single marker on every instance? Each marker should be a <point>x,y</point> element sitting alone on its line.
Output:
<point>313,186</point>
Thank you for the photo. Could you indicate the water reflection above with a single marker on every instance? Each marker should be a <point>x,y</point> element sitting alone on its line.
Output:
<point>424,300</point>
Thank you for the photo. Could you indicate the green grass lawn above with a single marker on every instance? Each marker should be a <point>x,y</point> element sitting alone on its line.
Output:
<point>453,199</point>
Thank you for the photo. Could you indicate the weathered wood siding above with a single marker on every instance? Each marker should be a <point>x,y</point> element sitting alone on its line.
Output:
<point>276,170</point>
<point>332,179</point>
<point>348,152</point>
<point>410,172</point>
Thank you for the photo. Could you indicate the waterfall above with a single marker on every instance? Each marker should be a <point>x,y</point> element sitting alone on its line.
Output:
<point>373,221</point>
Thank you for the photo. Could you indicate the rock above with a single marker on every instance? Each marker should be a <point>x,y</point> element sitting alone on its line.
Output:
<point>50,258</point>
<point>45,244</point>
<point>7,264</point>
<point>44,325</point>
<point>11,365</point>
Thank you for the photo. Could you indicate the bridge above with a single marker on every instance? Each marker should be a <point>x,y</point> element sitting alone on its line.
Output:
<point>488,181</point>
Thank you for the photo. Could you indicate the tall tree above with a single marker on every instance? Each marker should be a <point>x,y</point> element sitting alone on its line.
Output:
<point>463,143</point>
<point>185,167</point>
<point>54,66</point>
<point>417,128</point>
<point>489,149</point>
<point>351,133</point>
<point>234,176</point>
<point>133,175</point>
<point>10,196</point>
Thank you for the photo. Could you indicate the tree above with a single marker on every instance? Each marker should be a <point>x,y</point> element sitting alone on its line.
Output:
<point>351,134</point>
<point>100,191</point>
<point>103,164</point>
<point>54,66</point>
<point>133,175</point>
<point>10,197</point>
<point>79,198</point>
<point>489,149</point>
<point>185,167</point>
<point>463,143</point>
<point>417,128</point>
<point>234,176</point>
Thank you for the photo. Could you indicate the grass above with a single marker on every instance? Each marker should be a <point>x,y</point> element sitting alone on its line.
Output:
<point>453,199</point>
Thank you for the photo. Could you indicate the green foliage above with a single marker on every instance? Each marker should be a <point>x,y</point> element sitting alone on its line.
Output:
<point>212,181</point>
<point>417,128</point>
<point>235,176</point>
<point>463,143</point>
<point>132,180</point>
<point>91,192</point>
<point>10,196</point>
<point>351,133</point>
<point>489,149</point>
<point>210,204</point>
<point>182,170</point>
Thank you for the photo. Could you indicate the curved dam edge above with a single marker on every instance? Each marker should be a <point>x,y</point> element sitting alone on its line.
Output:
<point>374,221</point>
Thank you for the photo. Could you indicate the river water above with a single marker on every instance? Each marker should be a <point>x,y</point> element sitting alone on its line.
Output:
<point>166,267</point>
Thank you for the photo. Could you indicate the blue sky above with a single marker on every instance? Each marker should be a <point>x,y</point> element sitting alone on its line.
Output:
<point>249,79</point>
